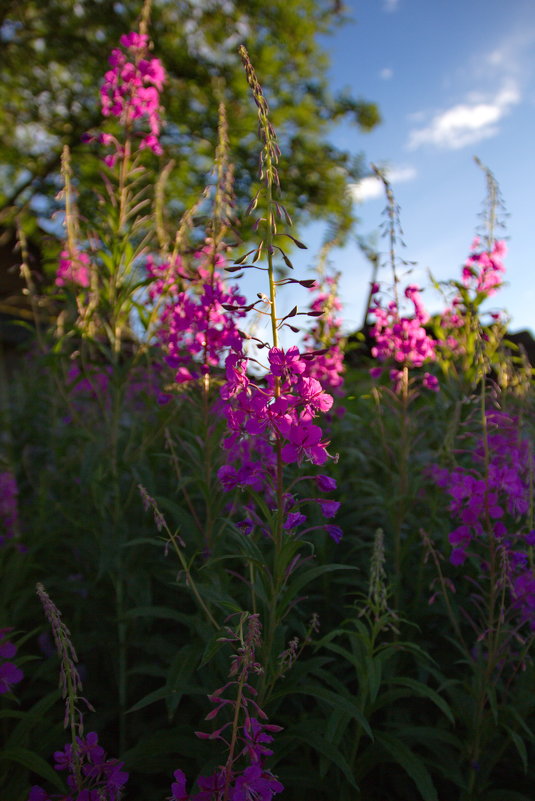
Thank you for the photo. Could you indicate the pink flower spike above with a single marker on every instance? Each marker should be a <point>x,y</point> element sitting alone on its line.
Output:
<point>135,40</point>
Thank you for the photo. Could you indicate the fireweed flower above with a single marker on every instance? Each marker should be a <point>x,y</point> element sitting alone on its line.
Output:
<point>483,271</point>
<point>131,89</point>
<point>8,506</point>
<point>10,674</point>
<point>278,412</point>
<point>490,498</point>
<point>402,338</point>
<point>131,93</point>
<point>91,776</point>
<point>251,742</point>
<point>195,325</point>
<point>101,777</point>
<point>324,340</point>
<point>279,405</point>
<point>74,269</point>
<point>482,276</point>
<point>166,277</point>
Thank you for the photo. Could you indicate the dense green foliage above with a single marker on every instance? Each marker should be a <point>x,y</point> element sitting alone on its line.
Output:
<point>396,657</point>
<point>53,57</point>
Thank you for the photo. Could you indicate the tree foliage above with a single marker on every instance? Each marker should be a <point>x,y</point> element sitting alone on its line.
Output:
<point>54,56</point>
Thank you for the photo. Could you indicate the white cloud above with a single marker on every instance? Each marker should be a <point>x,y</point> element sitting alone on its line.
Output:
<point>512,56</point>
<point>386,73</point>
<point>390,6</point>
<point>371,187</point>
<point>466,123</point>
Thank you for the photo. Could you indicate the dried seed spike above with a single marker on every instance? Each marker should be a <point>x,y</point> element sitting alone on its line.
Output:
<point>270,152</point>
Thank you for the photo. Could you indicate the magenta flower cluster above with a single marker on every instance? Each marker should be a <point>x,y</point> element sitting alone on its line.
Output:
<point>8,506</point>
<point>10,674</point>
<point>402,338</point>
<point>73,268</point>
<point>482,275</point>
<point>491,500</point>
<point>271,419</point>
<point>325,338</point>
<point>398,337</point>
<point>253,782</point>
<point>249,744</point>
<point>195,326</point>
<point>483,271</point>
<point>284,407</point>
<point>101,778</point>
<point>131,92</point>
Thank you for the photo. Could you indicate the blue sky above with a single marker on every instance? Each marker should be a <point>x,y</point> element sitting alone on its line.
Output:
<point>453,79</point>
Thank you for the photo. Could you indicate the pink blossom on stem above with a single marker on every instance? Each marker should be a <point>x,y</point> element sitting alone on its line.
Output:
<point>73,269</point>
<point>10,674</point>
<point>402,338</point>
<point>131,92</point>
<point>324,340</point>
<point>8,506</point>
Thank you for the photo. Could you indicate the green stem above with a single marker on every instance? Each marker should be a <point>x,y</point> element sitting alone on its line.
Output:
<point>122,657</point>
<point>403,484</point>
<point>189,580</point>
<point>234,738</point>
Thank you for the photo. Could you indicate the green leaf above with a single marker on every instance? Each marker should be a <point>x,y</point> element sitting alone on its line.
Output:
<point>143,541</point>
<point>304,578</point>
<point>163,612</point>
<point>27,722</point>
<point>520,747</point>
<point>411,764</point>
<point>521,722</point>
<point>163,694</point>
<point>33,762</point>
<point>427,692</point>
<point>374,676</point>
<point>343,703</point>
<point>310,735</point>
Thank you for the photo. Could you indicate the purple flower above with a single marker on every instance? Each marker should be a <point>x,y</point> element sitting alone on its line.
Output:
<point>178,788</point>
<point>255,738</point>
<point>325,483</point>
<point>255,784</point>
<point>285,364</point>
<point>38,794</point>
<point>328,508</point>
<point>73,268</point>
<point>524,595</point>
<point>210,785</point>
<point>334,532</point>
<point>101,777</point>
<point>10,674</point>
<point>91,749</point>
<point>430,381</point>
<point>131,92</point>
<point>304,442</point>
<point>294,520</point>
<point>457,556</point>
<point>8,505</point>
